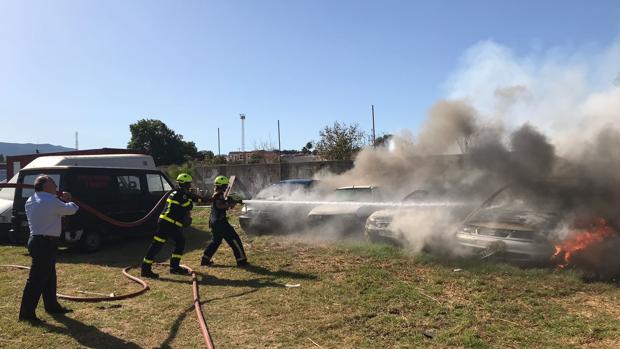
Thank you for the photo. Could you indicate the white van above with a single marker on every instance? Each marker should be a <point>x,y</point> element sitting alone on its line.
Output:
<point>124,187</point>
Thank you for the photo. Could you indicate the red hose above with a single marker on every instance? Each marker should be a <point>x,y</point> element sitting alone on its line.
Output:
<point>202,322</point>
<point>100,215</point>
<point>204,330</point>
<point>145,288</point>
<point>201,318</point>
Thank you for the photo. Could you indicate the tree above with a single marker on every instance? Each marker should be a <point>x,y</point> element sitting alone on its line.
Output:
<point>307,149</point>
<point>340,142</point>
<point>205,155</point>
<point>383,141</point>
<point>155,138</point>
<point>2,158</point>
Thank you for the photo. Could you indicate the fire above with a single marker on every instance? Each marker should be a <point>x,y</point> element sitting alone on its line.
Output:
<point>580,240</point>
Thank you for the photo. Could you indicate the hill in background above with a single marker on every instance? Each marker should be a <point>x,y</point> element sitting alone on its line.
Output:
<point>29,148</point>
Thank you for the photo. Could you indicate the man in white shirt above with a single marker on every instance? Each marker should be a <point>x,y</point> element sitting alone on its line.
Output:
<point>44,210</point>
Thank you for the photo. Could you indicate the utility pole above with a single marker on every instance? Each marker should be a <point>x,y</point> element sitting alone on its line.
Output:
<point>219,153</point>
<point>242,117</point>
<point>279,144</point>
<point>76,141</point>
<point>373,125</point>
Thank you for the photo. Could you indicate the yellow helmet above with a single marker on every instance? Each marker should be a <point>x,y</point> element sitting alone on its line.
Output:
<point>184,178</point>
<point>221,180</point>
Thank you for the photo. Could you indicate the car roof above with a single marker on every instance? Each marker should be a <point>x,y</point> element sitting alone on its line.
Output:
<point>301,181</point>
<point>357,187</point>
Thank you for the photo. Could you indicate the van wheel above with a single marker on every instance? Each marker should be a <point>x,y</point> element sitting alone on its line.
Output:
<point>90,241</point>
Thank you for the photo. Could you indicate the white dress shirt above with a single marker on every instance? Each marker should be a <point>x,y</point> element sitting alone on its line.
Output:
<point>44,212</point>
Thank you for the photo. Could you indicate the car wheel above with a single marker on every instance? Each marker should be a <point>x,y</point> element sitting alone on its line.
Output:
<point>18,238</point>
<point>91,241</point>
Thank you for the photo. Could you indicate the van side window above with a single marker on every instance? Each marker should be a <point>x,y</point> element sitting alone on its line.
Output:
<point>129,185</point>
<point>155,184</point>
<point>29,179</point>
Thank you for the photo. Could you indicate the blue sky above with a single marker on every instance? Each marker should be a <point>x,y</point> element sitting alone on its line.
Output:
<point>97,66</point>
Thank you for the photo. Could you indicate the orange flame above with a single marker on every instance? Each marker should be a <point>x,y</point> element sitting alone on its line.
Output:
<point>580,240</point>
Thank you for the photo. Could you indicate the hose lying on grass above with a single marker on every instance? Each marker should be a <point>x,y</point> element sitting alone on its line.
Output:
<point>202,322</point>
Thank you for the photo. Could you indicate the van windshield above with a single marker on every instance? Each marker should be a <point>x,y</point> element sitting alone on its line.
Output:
<point>8,193</point>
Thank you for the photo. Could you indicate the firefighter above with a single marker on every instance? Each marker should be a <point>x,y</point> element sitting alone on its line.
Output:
<point>220,227</point>
<point>174,217</point>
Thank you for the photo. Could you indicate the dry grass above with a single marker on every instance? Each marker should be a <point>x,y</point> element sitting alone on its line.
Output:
<point>350,295</point>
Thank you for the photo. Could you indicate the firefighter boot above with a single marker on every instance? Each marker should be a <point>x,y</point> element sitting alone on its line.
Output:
<point>175,268</point>
<point>204,261</point>
<point>147,272</point>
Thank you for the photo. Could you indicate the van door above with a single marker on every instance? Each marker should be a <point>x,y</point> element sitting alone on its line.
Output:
<point>133,200</point>
<point>96,188</point>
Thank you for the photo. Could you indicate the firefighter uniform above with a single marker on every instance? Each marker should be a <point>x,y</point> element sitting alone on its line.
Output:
<point>221,229</point>
<point>175,215</point>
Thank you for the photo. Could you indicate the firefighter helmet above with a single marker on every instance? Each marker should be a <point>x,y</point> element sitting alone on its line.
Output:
<point>221,180</point>
<point>184,178</point>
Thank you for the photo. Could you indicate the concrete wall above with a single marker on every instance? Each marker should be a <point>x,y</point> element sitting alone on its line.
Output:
<point>254,177</point>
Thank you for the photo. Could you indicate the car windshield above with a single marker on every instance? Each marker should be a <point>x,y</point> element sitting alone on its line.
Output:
<point>540,197</point>
<point>354,194</point>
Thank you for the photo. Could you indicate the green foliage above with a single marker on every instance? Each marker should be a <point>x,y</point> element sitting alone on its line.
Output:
<point>163,144</point>
<point>174,170</point>
<point>2,158</point>
<point>383,141</point>
<point>340,142</point>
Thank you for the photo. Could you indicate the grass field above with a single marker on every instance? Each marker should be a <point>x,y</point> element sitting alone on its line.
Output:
<point>351,295</point>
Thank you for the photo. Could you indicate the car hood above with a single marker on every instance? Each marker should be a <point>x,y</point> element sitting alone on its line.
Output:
<point>514,219</point>
<point>383,214</point>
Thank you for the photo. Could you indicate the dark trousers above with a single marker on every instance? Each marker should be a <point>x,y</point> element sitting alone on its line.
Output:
<point>42,277</point>
<point>164,232</point>
<point>223,230</point>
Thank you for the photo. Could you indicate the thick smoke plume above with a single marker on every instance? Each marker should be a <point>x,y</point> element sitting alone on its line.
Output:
<point>508,120</point>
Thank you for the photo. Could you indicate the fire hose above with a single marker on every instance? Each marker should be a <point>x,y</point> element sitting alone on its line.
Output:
<point>196,295</point>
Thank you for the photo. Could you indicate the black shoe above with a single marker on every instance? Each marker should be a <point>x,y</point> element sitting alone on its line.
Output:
<point>59,310</point>
<point>149,274</point>
<point>243,263</point>
<point>206,262</point>
<point>32,320</point>
<point>179,271</point>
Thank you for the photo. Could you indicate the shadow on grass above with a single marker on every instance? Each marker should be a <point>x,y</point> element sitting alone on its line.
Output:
<point>86,335</point>
<point>130,251</point>
<point>174,329</point>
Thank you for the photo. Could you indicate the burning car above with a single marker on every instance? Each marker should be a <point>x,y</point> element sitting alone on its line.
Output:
<point>348,215</point>
<point>384,227</point>
<point>269,215</point>
<point>538,223</point>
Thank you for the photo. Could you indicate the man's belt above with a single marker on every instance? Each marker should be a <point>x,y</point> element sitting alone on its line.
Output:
<point>49,237</point>
<point>168,219</point>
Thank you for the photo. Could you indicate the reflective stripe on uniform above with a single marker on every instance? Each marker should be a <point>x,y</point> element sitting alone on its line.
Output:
<point>158,239</point>
<point>174,255</point>
<point>178,203</point>
<point>166,218</point>
<point>148,261</point>
<point>173,201</point>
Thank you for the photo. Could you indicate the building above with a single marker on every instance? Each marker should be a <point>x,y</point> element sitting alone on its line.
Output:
<point>255,156</point>
<point>2,172</point>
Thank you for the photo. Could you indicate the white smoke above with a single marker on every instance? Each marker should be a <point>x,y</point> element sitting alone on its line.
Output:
<point>568,94</point>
